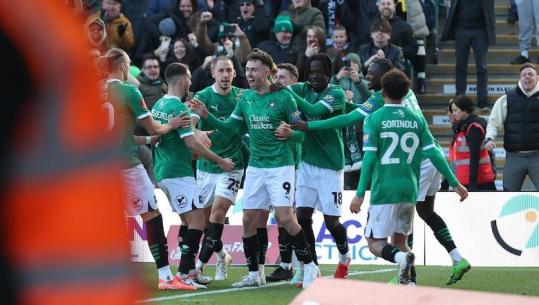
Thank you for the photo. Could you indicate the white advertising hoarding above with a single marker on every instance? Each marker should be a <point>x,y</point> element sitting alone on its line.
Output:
<point>490,229</point>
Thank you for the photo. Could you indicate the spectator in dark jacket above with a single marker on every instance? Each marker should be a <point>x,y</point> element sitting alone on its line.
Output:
<point>303,15</point>
<point>152,86</point>
<point>402,35</point>
<point>253,22</point>
<point>184,17</point>
<point>380,47</point>
<point>280,47</point>
<point>357,17</point>
<point>471,24</point>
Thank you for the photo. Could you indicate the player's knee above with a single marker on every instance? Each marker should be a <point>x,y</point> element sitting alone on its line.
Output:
<point>423,210</point>
<point>218,215</point>
<point>332,222</point>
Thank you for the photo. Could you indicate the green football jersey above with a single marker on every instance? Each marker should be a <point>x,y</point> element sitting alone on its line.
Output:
<point>397,135</point>
<point>262,114</point>
<point>323,148</point>
<point>171,156</point>
<point>224,144</point>
<point>128,106</point>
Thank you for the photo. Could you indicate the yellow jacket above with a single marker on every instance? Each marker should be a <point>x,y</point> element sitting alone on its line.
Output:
<point>125,42</point>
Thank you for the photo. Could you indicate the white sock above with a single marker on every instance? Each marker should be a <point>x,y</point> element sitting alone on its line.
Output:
<point>343,258</point>
<point>253,274</point>
<point>221,255</point>
<point>165,274</point>
<point>199,264</point>
<point>524,53</point>
<point>400,256</point>
<point>455,256</point>
<point>286,266</point>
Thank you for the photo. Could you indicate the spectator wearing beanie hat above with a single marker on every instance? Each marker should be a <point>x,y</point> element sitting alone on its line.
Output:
<point>280,46</point>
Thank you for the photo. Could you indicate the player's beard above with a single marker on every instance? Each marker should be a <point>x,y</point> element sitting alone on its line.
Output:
<point>225,85</point>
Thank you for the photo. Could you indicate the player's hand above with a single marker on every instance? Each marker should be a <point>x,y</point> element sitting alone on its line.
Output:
<point>349,95</point>
<point>199,108</point>
<point>276,87</point>
<point>205,17</point>
<point>300,125</point>
<point>155,140</point>
<point>203,137</point>
<point>226,164</point>
<point>180,121</point>
<point>283,131</point>
<point>355,205</point>
<point>490,145</point>
<point>461,191</point>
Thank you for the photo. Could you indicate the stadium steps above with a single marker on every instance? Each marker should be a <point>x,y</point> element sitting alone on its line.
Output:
<point>500,55</point>
<point>441,81</point>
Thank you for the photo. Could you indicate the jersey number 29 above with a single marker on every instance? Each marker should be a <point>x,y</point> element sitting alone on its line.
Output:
<point>403,143</point>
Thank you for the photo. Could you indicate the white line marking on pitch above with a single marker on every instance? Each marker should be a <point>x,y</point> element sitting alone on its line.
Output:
<point>228,290</point>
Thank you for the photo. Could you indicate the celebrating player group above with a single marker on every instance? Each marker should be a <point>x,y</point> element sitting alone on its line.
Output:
<point>294,166</point>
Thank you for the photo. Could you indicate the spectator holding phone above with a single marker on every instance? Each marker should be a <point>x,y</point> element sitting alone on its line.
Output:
<point>356,90</point>
<point>316,43</point>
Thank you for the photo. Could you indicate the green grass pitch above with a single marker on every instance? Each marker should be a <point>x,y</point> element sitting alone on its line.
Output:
<point>521,281</point>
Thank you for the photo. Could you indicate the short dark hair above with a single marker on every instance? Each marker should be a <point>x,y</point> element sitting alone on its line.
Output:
<point>464,103</point>
<point>527,65</point>
<point>149,57</point>
<point>325,60</point>
<point>384,63</point>
<point>395,84</point>
<point>265,58</point>
<point>290,68</point>
<point>381,25</point>
<point>174,71</point>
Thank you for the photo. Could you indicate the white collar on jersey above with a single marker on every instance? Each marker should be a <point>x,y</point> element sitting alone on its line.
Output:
<point>112,80</point>
<point>393,105</point>
<point>172,96</point>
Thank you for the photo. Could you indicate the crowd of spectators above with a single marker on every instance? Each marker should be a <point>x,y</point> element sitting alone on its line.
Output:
<point>353,33</point>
